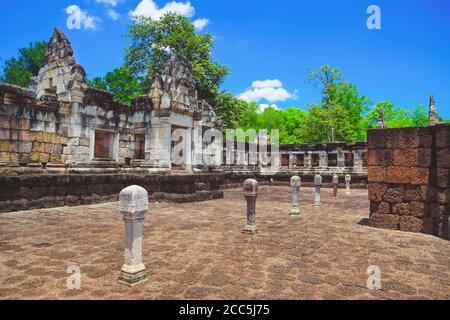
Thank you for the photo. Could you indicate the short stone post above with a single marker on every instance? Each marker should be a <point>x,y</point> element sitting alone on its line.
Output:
<point>348,180</point>
<point>317,184</point>
<point>335,185</point>
<point>250,194</point>
<point>133,204</point>
<point>296,183</point>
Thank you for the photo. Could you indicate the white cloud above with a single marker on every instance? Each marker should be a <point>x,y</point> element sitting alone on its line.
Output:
<point>264,106</point>
<point>112,3</point>
<point>267,84</point>
<point>113,14</point>
<point>200,24</point>
<point>148,8</point>
<point>81,19</point>
<point>270,90</point>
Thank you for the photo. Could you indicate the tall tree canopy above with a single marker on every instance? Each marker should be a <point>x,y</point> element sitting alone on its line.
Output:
<point>154,41</point>
<point>121,82</point>
<point>18,70</point>
<point>339,116</point>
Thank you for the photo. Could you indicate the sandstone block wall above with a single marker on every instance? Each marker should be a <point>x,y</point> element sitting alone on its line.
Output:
<point>26,192</point>
<point>408,175</point>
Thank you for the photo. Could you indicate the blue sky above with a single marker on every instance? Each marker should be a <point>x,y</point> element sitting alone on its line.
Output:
<point>270,40</point>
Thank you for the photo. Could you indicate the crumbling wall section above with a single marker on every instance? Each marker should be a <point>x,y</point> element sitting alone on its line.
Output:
<point>30,129</point>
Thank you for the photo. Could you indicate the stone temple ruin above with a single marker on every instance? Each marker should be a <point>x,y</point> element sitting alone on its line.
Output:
<point>65,143</point>
<point>65,124</point>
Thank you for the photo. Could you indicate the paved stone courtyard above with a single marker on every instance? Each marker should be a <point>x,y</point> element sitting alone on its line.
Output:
<point>197,251</point>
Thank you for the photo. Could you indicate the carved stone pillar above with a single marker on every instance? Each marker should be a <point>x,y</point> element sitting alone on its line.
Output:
<point>348,179</point>
<point>296,182</point>
<point>335,185</point>
<point>250,194</point>
<point>133,204</point>
<point>323,160</point>
<point>317,185</point>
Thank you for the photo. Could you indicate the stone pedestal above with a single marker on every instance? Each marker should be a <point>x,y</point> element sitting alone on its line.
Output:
<point>335,185</point>
<point>133,204</point>
<point>317,185</point>
<point>296,183</point>
<point>348,179</point>
<point>250,194</point>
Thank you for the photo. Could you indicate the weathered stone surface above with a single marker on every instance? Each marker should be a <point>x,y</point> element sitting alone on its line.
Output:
<point>380,208</point>
<point>4,134</point>
<point>443,158</point>
<point>376,139</point>
<point>4,146</point>
<point>422,172</point>
<point>394,195</point>
<point>443,196</point>
<point>385,221</point>
<point>443,178</point>
<point>407,175</point>
<point>380,157</point>
<point>412,157</point>
<point>399,138</point>
<point>418,209</point>
<point>443,136</point>
<point>410,224</point>
<point>377,191</point>
<point>376,174</point>
<point>133,199</point>
<point>416,193</point>
<point>401,209</point>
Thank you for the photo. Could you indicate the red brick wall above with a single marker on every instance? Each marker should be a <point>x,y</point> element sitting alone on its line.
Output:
<point>408,175</point>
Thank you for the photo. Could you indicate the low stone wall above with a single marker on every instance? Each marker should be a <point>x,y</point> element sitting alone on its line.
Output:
<point>408,173</point>
<point>282,178</point>
<point>28,192</point>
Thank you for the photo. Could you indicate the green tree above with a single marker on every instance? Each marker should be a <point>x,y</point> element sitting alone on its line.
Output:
<point>154,41</point>
<point>121,82</point>
<point>230,109</point>
<point>328,77</point>
<point>18,70</point>
<point>398,117</point>
<point>339,116</point>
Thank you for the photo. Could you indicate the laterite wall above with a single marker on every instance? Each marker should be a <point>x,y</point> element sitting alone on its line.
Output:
<point>408,175</point>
